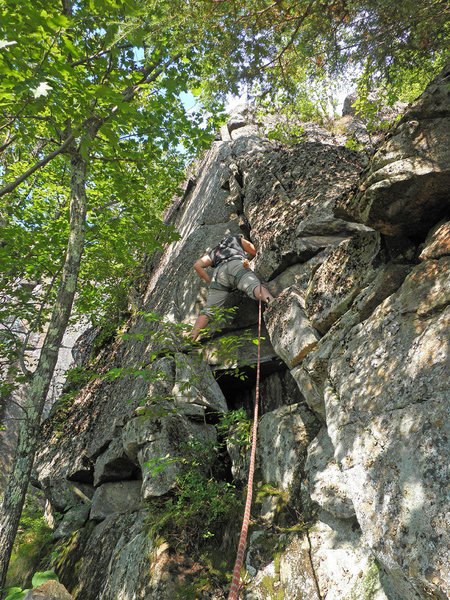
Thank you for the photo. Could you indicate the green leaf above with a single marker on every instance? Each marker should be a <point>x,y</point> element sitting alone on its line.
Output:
<point>59,20</point>
<point>42,576</point>
<point>103,91</point>
<point>70,47</point>
<point>108,132</point>
<point>16,594</point>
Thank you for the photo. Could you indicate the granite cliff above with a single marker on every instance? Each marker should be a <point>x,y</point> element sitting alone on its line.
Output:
<point>352,450</point>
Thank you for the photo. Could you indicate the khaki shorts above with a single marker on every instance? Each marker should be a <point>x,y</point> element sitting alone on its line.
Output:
<point>225,275</point>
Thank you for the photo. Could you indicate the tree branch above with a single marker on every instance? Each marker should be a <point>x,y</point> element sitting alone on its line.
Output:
<point>98,54</point>
<point>292,38</point>
<point>7,143</point>
<point>41,163</point>
<point>12,119</point>
<point>23,348</point>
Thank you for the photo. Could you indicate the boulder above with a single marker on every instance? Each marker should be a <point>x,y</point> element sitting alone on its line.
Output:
<point>195,388</point>
<point>296,276</point>
<point>310,382</point>
<point>71,521</point>
<point>437,243</point>
<point>117,497</point>
<point>160,459</point>
<point>339,279</point>
<point>290,330</point>
<point>347,107</point>
<point>157,443</point>
<point>50,590</point>
<point>283,437</point>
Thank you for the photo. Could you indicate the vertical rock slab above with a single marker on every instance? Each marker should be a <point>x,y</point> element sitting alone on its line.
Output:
<point>343,565</point>
<point>340,278</point>
<point>437,243</point>
<point>388,417</point>
<point>325,482</point>
<point>291,332</point>
<point>202,219</point>
<point>109,561</point>
<point>312,372</point>
<point>128,570</point>
<point>283,436</point>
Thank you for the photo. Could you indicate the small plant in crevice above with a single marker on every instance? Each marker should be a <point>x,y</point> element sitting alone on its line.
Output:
<point>109,330</point>
<point>353,144</point>
<point>235,426</point>
<point>199,505</point>
<point>76,379</point>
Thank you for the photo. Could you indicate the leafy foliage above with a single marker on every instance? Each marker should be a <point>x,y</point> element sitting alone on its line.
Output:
<point>32,544</point>
<point>236,424</point>
<point>200,504</point>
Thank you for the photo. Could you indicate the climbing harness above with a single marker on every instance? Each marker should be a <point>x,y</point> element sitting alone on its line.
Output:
<point>241,272</point>
<point>244,530</point>
<point>215,285</point>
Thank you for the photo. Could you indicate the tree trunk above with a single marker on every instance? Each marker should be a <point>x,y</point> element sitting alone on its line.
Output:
<point>19,477</point>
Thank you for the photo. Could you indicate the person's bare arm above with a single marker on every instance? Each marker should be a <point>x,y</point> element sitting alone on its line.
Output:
<point>200,266</point>
<point>248,247</point>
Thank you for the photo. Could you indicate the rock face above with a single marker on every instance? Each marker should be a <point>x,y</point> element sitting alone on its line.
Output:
<point>353,438</point>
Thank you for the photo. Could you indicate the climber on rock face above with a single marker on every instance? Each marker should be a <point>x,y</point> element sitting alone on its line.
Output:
<point>231,270</point>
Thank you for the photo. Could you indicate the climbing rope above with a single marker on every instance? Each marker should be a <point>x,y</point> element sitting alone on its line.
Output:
<point>244,530</point>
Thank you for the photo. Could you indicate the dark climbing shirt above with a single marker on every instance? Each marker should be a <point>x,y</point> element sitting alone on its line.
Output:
<point>228,247</point>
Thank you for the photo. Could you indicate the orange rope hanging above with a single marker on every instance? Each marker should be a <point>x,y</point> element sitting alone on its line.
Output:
<point>244,530</point>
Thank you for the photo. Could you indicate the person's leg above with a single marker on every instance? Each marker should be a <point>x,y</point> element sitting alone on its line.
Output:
<point>200,323</point>
<point>262,292</point>
<point>216,299</point>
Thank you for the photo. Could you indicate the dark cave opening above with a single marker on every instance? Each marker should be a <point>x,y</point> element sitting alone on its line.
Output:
<point>241,392</point>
